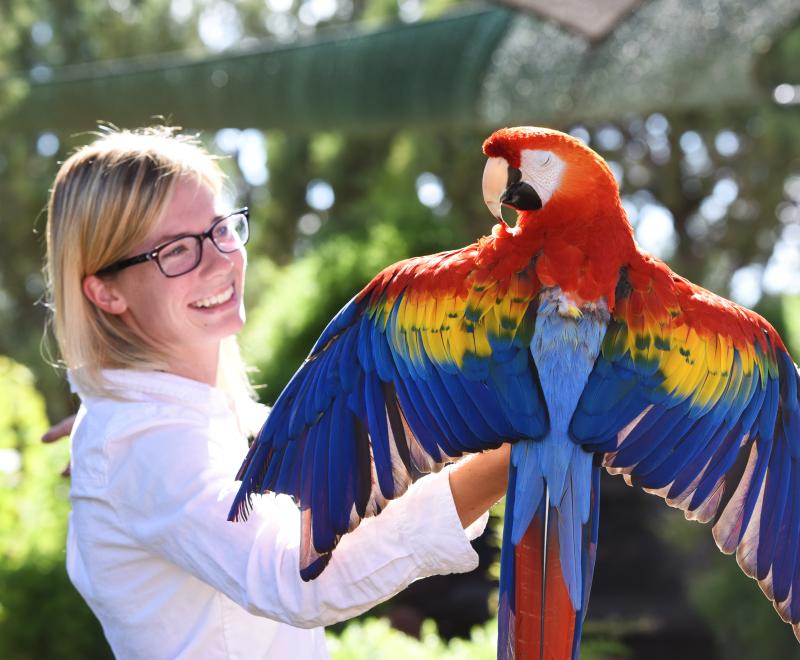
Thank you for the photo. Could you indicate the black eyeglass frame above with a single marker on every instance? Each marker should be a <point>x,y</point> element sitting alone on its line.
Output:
<point>152,255</point>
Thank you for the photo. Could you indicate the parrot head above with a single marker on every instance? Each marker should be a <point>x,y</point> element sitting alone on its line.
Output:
<point>533,169</point>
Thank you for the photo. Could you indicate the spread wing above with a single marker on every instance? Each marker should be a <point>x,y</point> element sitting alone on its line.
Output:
<point>429,361</point>
<point>695,399</point>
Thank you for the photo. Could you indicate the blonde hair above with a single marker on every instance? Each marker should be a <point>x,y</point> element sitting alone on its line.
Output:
<point>108,196</point>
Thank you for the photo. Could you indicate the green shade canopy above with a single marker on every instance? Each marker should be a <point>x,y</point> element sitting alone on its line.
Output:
<point>483,68</point>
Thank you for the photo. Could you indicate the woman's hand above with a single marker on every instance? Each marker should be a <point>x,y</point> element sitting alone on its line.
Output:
<point>57,431</point>
<point>478,481</point>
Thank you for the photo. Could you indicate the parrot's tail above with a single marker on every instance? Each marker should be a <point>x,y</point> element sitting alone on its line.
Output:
<point>537,618</point>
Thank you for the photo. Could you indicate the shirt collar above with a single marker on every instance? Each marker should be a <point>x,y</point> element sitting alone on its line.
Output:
<point>163,386</point>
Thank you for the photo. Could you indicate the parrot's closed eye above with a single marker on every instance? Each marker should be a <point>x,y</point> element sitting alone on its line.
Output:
<point>542,158</point>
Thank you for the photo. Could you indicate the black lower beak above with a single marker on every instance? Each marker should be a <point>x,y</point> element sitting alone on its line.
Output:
<point>522,197</point>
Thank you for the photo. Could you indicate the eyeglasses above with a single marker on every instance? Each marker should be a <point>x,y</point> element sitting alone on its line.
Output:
<point>183,254</point>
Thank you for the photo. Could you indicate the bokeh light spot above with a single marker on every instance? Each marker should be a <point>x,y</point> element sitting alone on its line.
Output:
<point>47,144</point>
<point>430,190</point>
<point>320,195</point>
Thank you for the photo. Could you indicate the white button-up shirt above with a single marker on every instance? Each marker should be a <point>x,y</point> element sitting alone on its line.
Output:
<point>152,552</point>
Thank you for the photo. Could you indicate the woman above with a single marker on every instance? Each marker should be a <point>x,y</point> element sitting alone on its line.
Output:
<point>146,277</point>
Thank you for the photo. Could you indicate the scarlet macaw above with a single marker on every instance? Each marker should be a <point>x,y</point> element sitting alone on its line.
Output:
<point>561,336</point>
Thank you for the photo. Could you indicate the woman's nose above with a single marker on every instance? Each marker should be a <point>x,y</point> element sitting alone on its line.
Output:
<point>213,259</point>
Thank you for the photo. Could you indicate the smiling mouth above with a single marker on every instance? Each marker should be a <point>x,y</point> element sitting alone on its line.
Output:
<point>214,301</point>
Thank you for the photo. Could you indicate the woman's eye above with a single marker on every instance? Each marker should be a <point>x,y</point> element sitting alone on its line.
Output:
<point>175,251</point>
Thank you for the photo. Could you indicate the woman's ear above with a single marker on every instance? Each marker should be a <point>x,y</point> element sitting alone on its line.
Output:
<point>104,295</point>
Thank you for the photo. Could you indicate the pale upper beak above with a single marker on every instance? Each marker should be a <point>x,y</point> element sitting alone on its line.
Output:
<point>495,180</point>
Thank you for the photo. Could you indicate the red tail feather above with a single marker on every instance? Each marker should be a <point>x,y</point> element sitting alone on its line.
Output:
<point>551,639</point>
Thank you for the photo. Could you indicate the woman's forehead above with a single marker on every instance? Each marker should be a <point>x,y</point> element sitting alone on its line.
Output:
<point>191,208</point>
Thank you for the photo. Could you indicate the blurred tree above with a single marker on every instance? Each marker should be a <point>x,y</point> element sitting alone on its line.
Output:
<point>33,509</point>
<point>41,616</point>
<point>45,35</point>
<point>36,37</point>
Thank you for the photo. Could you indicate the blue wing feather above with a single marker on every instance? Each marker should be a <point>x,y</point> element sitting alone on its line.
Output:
<point>324,537</point>
<point>379,434</point>
<point>426,404</point>
<point>382,354</point>
<point>472,416</point>
<point>767,415</point>
<point>686,448</point>
<point>324,388</point>
<point>722,443</point>
<point>785,563</point>
<point>428,431</point>
<point>721,461</point>
<point>454,414</point>
<point>659,426</point>
<point>286,478</point>
<point>347,374</point>
<point>520,395</point>
<point>775,493</point>
<point>341,475</point>
<point>302,488</point>
<point>368,395</point>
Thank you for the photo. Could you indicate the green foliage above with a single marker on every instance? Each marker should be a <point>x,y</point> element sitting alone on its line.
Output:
<point>375,639</point>
<point>780,65</point>
<point>791,319</point>
<point>295,301</point>
<point>742,620</point>
<point>33,506</point>
<point>41,614</point>
<point>745,625</point>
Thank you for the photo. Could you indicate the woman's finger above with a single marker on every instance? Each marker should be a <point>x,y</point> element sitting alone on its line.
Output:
<point>59,430</point>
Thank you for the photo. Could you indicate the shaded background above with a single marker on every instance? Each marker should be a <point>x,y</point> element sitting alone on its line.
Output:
<point>353,129</point>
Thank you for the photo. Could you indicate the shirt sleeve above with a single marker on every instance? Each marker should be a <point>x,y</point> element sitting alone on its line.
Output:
<point>173,498</point>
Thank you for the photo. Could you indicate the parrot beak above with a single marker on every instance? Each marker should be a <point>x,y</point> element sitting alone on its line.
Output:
<point>503,186</point>
<point>495,178</point>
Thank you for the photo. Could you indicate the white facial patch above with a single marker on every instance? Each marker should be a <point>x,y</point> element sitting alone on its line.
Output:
<point>542,170</point>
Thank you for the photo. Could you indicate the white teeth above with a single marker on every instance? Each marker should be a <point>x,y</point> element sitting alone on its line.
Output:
<point>220,298</point>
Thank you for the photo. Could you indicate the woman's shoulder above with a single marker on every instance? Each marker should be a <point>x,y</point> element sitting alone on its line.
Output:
<point>129,397</point>
<point>106,427</point>
<point>118,442</point>
<point>136,409</point>
<point>152,417</point>
<point>114,418</point>
<point>157,387</point>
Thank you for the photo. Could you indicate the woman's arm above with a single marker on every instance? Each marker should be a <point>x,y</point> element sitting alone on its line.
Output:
<point>173,498</point>
<point>478,481</point>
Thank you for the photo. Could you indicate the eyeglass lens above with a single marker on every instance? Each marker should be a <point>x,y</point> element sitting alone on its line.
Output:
<point>183,254</point>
